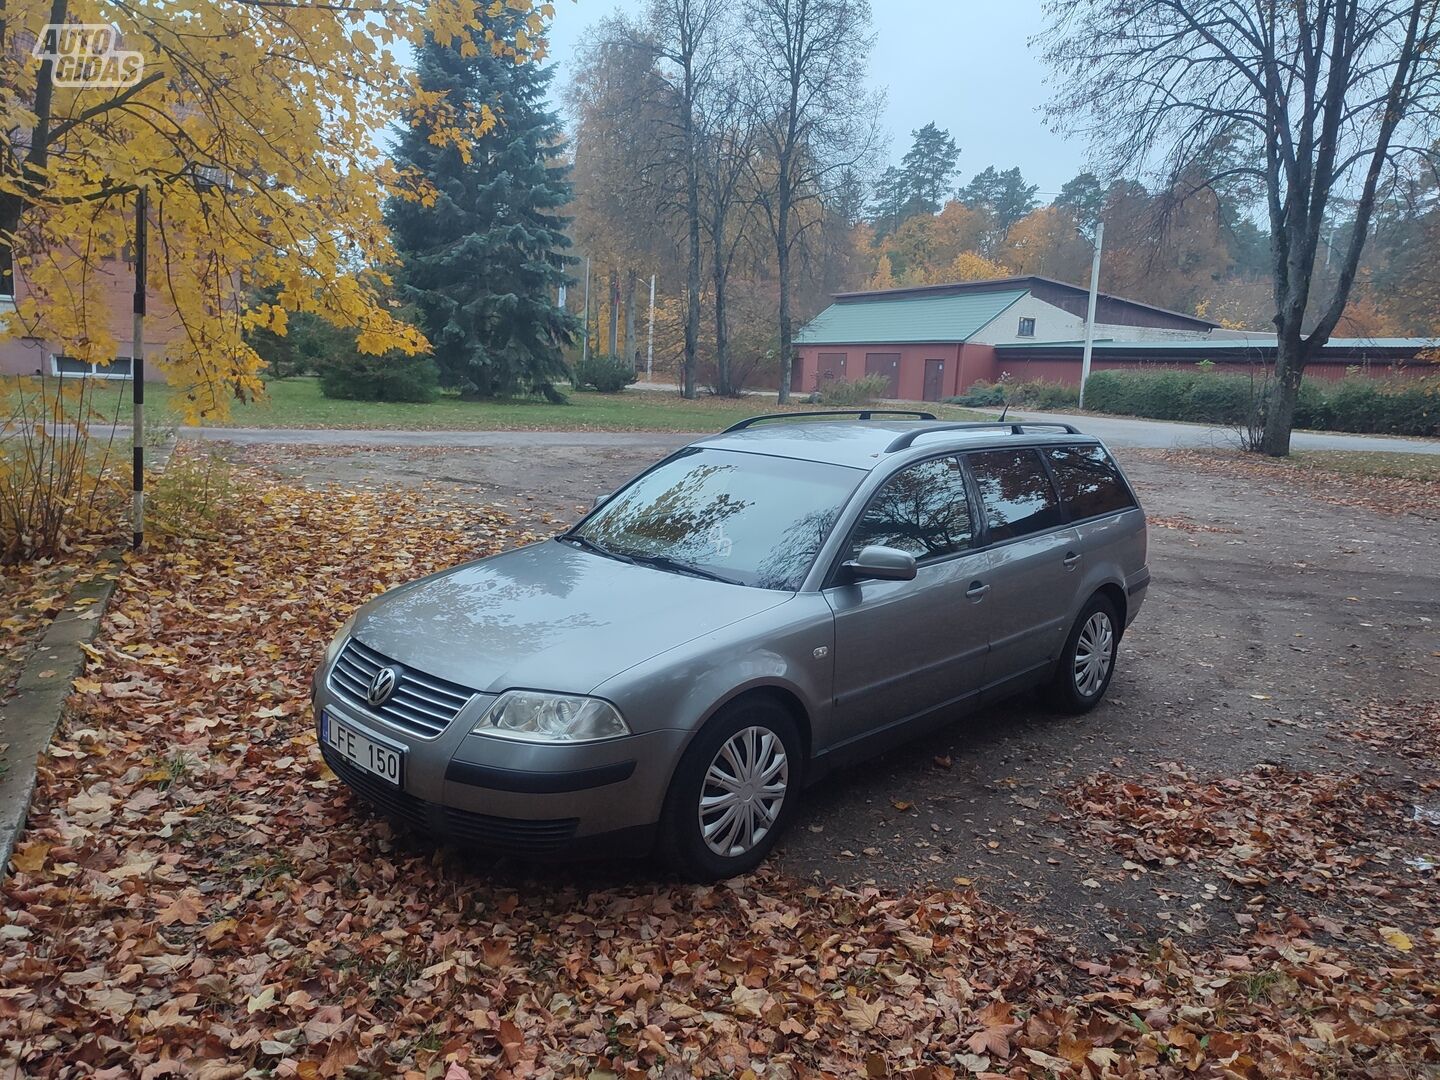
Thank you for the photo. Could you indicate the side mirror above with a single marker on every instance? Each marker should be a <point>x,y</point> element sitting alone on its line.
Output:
<point>600,500</point>
<point>876,562</point>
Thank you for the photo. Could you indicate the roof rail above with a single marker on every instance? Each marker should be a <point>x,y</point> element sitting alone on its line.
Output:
<point>861,414</point>
<point>901,442</point>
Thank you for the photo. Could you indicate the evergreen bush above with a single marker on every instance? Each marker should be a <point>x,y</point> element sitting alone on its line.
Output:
<point>356,377</point>
<point>607,374</point>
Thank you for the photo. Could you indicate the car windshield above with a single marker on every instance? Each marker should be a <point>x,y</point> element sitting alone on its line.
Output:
<point>746,518</point>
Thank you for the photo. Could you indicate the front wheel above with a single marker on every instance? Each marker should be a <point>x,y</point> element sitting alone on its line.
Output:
<point>1087,662</point>
<point>733,792</point>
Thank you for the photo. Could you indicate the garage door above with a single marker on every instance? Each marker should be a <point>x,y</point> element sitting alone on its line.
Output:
<point>887,365</point>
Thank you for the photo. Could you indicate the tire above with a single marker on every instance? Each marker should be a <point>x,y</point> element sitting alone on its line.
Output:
<point>1078,684</point>
<point>762,728</point>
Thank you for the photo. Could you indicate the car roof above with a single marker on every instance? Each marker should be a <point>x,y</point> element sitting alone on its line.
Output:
<point>864,444</point>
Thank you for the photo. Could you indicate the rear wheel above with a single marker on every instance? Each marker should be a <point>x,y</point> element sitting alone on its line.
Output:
<point>733,792</point>
<point>1087,662</point>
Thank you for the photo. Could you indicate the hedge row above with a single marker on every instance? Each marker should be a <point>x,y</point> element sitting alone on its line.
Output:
<point>1355,403</point>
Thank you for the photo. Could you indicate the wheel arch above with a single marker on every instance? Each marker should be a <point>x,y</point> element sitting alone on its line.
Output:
<point>1116,595</point>
<point>783,695</point>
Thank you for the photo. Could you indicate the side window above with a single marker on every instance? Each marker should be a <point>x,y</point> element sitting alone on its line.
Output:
<point>1089,482</point>
<point>922,509</point>
<point>1015,491</point>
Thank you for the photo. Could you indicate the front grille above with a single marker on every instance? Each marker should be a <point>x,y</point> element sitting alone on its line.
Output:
<point>421,704</point>
<point>510,835</point>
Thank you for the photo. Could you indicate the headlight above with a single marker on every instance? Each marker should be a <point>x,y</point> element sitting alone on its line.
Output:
<point>537,717</point>
<point>333,649</point>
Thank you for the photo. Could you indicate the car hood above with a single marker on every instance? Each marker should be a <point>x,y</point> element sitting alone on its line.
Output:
<point>548,616</point>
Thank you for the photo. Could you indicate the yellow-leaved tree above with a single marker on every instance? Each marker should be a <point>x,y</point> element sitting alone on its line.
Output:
<point>253,127</point>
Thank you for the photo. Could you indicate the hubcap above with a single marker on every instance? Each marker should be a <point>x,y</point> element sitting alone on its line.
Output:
<point>1093,654</point>
<point>743,791</point>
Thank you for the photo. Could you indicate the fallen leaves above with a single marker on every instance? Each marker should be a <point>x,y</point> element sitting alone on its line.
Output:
<point>197,896</point>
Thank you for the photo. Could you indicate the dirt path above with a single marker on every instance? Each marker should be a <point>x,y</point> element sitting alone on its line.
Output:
<point>1273,617</point>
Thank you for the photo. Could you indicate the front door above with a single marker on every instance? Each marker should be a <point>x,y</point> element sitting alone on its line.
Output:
<point>934,379</point>
<point>886,365</point>
<point>904,648</point>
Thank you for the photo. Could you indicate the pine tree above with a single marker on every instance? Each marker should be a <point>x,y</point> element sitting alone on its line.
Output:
<point>929,167</point>
<point>483,263</point>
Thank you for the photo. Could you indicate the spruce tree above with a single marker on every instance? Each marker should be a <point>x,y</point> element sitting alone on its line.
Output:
<point>482,265</point>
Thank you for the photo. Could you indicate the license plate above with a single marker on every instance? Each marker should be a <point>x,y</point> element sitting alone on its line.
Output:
<point>362,751</point>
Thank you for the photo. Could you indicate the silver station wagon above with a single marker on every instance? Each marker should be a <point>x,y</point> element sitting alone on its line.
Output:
<point>797,592</point>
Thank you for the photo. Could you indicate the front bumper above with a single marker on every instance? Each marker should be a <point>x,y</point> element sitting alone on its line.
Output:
<point>505,795</point>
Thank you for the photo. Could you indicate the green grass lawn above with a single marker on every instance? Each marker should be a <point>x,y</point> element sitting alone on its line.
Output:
<point>298,403</point>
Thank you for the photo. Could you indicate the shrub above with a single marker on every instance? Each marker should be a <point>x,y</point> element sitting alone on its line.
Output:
<point>1041,394</point>
<point>607,374</point>
<point>1355,403</point>
<point>391,377</point>
<point>980,392</point>
<point>57,484</point>
<point>866,391</point>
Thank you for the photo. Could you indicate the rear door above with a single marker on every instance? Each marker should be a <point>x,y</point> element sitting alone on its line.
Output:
<point>907,647</point>
<point>1032,557</point>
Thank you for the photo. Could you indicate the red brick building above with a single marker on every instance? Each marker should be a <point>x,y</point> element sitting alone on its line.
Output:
<point>933,341</point>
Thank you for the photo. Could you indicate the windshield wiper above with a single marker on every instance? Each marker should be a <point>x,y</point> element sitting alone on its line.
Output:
<point>590,545</point>
<point>665,562</point>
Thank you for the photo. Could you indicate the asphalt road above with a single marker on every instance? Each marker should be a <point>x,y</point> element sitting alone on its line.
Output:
<point>1116,431</point>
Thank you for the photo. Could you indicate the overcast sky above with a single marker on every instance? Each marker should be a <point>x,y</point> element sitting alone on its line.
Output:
<point>964,64</point>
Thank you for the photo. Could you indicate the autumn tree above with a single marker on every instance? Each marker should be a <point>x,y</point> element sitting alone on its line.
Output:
<point>1048,242</point>
<point>727,139</point>
<point>813,122</point>
<point>624,169</point>
<point>1320,99</point>
<point>685,35</point>
<point>485,255</point>
<point>251,128</point>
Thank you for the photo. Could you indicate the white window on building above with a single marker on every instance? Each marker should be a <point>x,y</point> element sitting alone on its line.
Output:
<point>68,367</point>
<point>1027,327</point>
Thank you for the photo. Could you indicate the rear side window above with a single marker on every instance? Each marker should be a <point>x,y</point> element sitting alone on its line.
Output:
<point>922,509</point>
<point>1015,491</point>
<point>1089,482</point>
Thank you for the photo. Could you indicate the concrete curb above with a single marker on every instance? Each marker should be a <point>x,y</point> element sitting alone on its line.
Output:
<point>33,714</point>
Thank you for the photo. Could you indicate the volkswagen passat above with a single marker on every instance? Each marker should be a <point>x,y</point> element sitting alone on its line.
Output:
<point>744,615</point>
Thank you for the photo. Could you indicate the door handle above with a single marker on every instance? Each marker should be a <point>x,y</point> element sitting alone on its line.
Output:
<point>977,590</point>
<point>1071,559</point>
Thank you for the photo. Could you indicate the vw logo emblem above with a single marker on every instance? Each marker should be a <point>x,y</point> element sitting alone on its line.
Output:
<point>382,686</point>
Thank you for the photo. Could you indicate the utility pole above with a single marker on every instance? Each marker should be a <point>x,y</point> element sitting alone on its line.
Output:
<point>137,375</point>
<point>1090,312</point>
<point>650,344</point>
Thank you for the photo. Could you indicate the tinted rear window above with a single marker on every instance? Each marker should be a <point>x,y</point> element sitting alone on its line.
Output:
<point>1016,492</point>
<point>1089,482</point>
